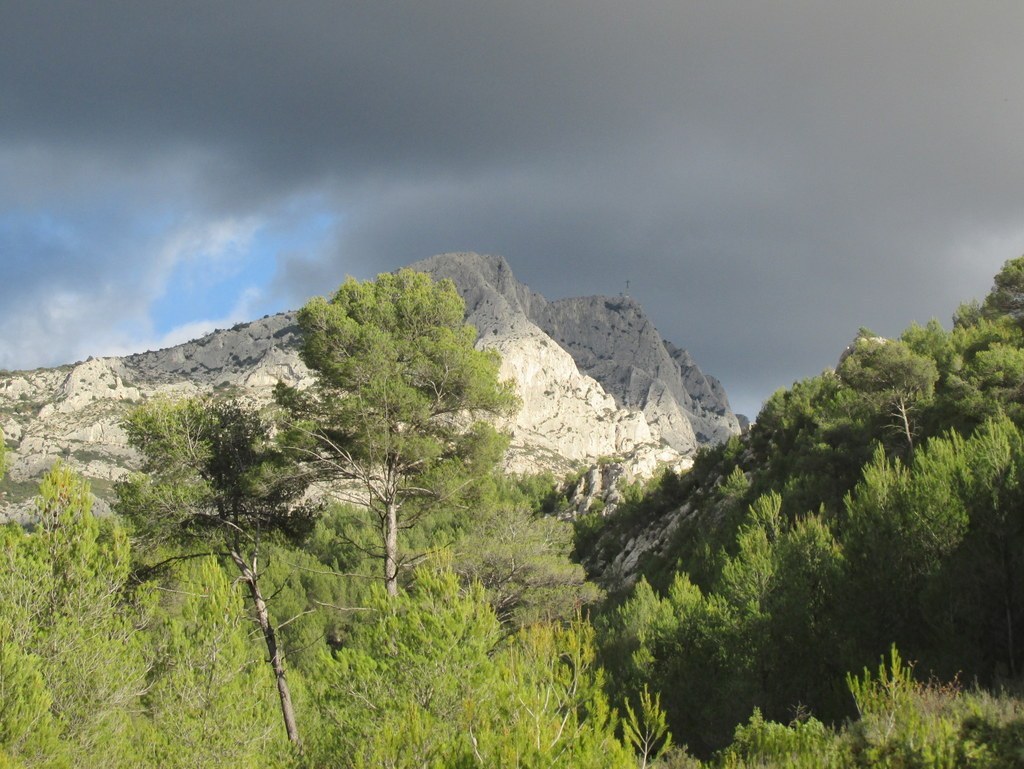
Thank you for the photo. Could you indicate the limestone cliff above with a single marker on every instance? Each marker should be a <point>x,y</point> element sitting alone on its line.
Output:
<point>610,339</point>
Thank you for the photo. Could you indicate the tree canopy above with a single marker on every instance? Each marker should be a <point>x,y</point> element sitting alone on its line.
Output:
<point>1006,299</point>
<point>399,412</point>
<point>786,563</point>
<point>216,481</point>
<point>892,371</point>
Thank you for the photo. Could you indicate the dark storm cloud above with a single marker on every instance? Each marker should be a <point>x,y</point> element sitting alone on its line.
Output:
<point>768,177</point>
<point>294,89</point>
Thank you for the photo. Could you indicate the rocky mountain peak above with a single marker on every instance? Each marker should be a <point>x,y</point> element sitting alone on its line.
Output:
<point>496,303</point>
<point>610,339</point>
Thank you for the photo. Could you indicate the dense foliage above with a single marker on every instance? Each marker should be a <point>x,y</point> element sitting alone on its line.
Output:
<point>395,416</point>
<point>878,504</point>
<point>100,665</point>
<point>216,481</point>
<point>845,588</point>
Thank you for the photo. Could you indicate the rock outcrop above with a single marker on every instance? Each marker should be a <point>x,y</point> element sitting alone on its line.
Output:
<point>251,355</point>
<point>74,413</point>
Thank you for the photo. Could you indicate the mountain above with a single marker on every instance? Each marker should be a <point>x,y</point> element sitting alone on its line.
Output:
<point>610,339</point>
<point>595,378</point>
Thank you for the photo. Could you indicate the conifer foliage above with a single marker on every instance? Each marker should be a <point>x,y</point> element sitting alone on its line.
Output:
<point>73,662</point>
<point>883,517</point>
<point>396,410</point>
<point>217,485</point>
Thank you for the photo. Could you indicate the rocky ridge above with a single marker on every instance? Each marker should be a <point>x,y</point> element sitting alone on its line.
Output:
<point>590,388</point>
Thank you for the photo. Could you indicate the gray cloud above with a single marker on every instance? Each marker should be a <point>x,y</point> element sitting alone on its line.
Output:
<point>768,177</point>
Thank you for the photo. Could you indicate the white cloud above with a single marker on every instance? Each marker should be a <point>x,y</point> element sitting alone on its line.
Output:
<point>217,247</point>
<point>107,310</point>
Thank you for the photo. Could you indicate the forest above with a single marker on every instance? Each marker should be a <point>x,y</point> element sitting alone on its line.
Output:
<point>345,578</point>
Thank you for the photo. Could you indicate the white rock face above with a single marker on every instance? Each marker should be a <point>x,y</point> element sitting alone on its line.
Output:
<point>95,380</point>
<point>609,338</point>
<point>15,387</point>
<point>74,413</point>
<point>564,413</point>
<point>276,365</point>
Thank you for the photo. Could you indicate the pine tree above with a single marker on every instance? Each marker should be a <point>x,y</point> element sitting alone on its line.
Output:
<point>70,645</point>
<point>215,484</point>
<point>394,416</point>
<point>207,697</point>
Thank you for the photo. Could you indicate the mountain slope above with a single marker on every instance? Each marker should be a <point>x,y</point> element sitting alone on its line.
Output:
<point>595,380</point>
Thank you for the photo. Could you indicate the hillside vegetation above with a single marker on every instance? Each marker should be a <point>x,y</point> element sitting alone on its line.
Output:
<point>842,586</point>
<point>873,507</point>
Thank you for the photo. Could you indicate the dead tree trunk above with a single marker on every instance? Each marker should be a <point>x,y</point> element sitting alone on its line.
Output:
<point>276,660</point>
<point>391,549</point>
<point>902,412</point>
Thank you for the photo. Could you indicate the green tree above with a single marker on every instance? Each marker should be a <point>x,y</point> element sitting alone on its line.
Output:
<point>809,444</point>
<point>429,679</point>
<point>631,635</point>
<point>988,374</point>
<point>983,580</point>
<point>803,641</point>
<point>1006,299</point>
<point>762,636</point>
<point>215,483</point>
<point>395,412</point>
<point>933,554</point>
<point>551,709</point>
<point>28,730</point>
<point>892,371</point>
<point>396,692</point>
<point>206,697</point>
<point>693,650</point>
<point>646,728</point>
<point>73,663</point>
<point>760,744</point>
<point>900,522</point>
<point>522,561</point>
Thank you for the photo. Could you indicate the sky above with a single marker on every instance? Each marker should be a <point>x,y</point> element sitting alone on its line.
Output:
<point>767,177</point>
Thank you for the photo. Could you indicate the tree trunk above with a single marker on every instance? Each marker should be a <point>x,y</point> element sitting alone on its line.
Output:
<point>903,412</point>
<point>391,549</point>
<point>1008,608</point>
<point>275,654</point>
